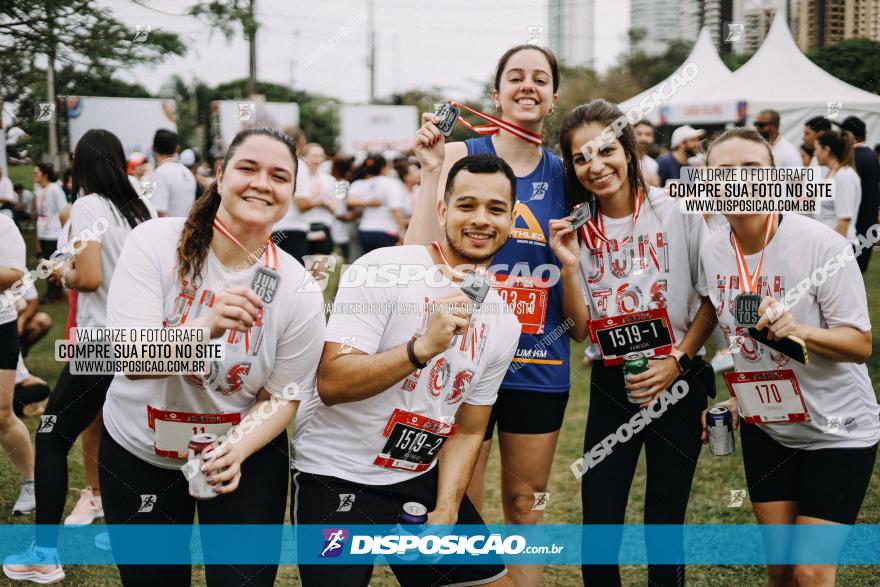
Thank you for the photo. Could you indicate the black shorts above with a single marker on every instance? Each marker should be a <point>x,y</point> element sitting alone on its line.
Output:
<point>316,499</point>
<point>9,345</point>
<point>828,483</point>
<point>527,412</point>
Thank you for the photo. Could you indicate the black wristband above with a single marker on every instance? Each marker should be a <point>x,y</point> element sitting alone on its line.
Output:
<point>411,353</point>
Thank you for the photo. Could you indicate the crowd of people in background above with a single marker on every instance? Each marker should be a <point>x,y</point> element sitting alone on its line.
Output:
<point>384,207</point>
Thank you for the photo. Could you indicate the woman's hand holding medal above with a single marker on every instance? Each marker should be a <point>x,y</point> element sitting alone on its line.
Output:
<point>563,241</point>
<point>777,318</point>
<point>236,308</point>
<point>430,146</point>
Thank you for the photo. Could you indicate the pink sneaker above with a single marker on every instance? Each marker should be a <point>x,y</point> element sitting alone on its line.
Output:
<point>86,510</point>
<point>37,565</point>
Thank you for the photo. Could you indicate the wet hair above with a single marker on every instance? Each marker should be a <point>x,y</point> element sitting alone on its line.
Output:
<point>547,53</point>
<point>818,123</point>
<point>744,133</point>
<point>840,143</point>
<point>603,113</point>
<point>484,163</point>
<point>198,230</point>
<point>99,168</point>
<point>165,142</point>
<point>48,171</point>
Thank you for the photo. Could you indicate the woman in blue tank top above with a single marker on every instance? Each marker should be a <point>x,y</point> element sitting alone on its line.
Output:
<point>532,399</point>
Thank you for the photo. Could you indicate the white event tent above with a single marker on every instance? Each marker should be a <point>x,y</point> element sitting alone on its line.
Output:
<point>686,103</point>
<point>779,77</point>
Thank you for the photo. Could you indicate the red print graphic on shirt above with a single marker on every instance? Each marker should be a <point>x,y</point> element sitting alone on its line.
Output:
<point>459,386</point>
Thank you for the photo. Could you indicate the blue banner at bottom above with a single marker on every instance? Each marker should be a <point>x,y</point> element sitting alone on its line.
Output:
<point>545,544</point>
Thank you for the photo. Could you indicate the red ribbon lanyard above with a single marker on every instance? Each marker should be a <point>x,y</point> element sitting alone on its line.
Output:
<point>749,282</point>
<point>595,236</point>
<point>456,274</point>
<point>270,254</point>
<point>495,125</point>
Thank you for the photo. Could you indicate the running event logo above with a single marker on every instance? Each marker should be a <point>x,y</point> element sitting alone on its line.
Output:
<point>334,538</point>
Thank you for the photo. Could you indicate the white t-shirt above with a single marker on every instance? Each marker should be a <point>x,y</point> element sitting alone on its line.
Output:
<point>649,167</point>
<point>294,219</point>
<point>175,189</point>
<point>847,197</point>
<point>7,193</point>
<point>829,388</point>
<point>27,200</point>
<point>325,185</point>
<point>339,230</point>
<point>12,255</point>
<point>785,154</point>
<point>13,135</point>
<point>91,306</point>
<point>379,219</point>
<point>627,281</point>
<point>21,370</point>
<point>146,291</point>
<point>343,440</point>
<point>50,201</point>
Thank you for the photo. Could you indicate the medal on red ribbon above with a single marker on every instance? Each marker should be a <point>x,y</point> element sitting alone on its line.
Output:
<point>593,231</point>
<point>496,124</point>
<point>746,304</point>
<point>266,279</point>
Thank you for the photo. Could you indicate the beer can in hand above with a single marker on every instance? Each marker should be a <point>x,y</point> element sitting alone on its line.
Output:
<point>633,364</point>
<point>199,487</point>
<point>719,423</point>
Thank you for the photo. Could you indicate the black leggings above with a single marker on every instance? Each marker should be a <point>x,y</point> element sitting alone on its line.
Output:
<point>672,447</point>
<point>73,404</point>
<point>261,498</point>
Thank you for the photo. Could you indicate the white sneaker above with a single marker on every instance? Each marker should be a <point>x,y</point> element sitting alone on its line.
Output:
<point>27,500</point>
<point>86,510</point>
<point>38,565</point>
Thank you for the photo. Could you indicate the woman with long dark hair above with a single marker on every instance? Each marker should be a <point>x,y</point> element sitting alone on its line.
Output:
<point>808,454</point>
<point>50,202</point>
<point>834,150</point>
<point>202,272</point>
<point>109,208</point>
<point>381,200</point>
<point>533,396</point>
<point>635,266</point>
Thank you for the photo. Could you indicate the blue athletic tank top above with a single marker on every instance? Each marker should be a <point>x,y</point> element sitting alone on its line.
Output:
<point>541,362</point>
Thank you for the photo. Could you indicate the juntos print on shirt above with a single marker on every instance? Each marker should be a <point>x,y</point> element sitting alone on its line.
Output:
<point>738,339</point>
<point>463,356</point>
<point>227,377</point>
<point>634,262</point>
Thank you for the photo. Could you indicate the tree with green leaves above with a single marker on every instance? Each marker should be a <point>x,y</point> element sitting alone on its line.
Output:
<point>855,61</point>
<point>76,33</point>
<point>222,15</point>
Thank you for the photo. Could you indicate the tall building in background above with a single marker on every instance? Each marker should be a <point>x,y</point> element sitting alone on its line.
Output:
<point>572,31</point>
<point>669,20</point>
<point>660,21</point>
<point>822,23</point>
<point>717,14</point>
<point>756,17</point>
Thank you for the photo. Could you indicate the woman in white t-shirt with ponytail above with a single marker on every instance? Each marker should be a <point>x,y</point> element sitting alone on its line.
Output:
<point>204,271</point>
<point>810,449</point>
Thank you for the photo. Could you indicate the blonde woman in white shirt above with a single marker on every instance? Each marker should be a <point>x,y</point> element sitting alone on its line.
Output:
<point>809,432</point>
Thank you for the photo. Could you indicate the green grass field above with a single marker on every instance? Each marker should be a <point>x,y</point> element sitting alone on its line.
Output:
<point>708,504</point>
